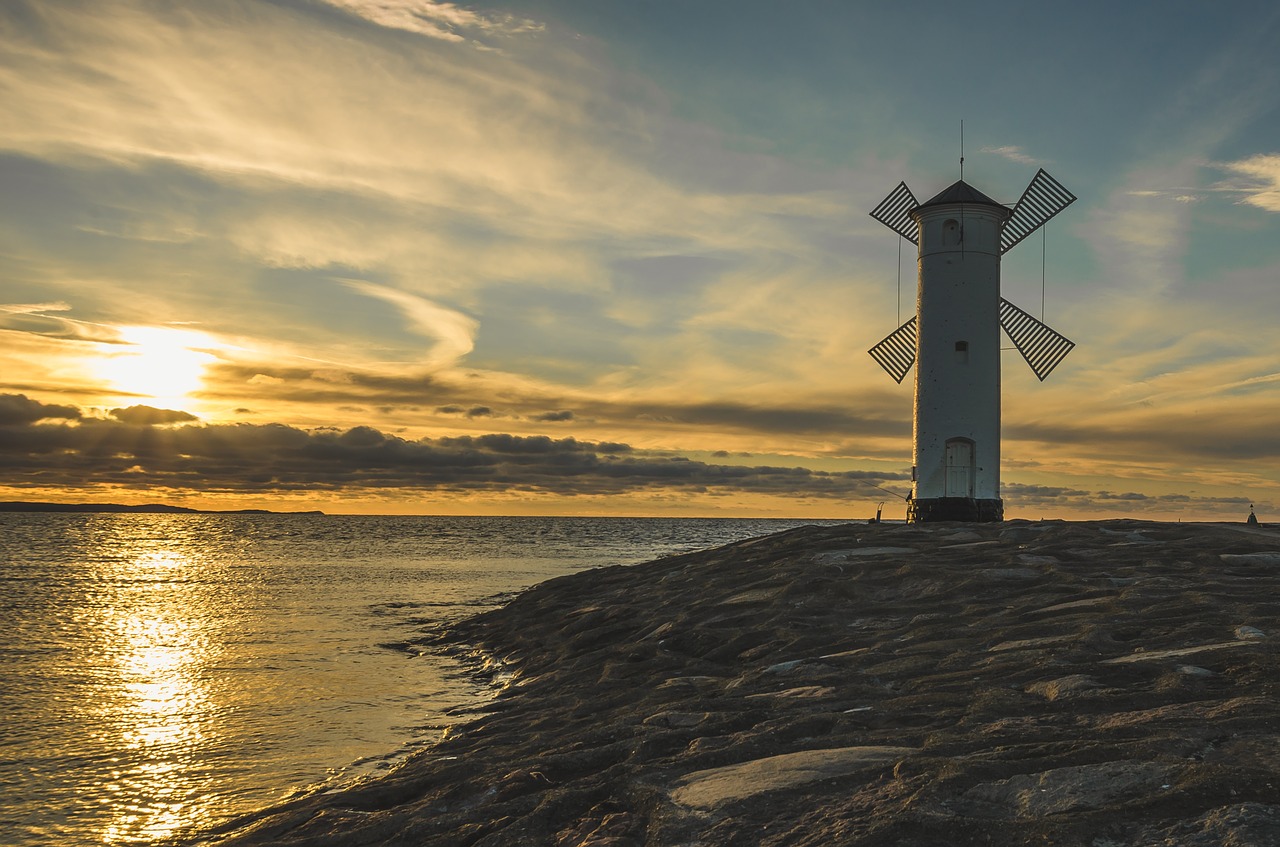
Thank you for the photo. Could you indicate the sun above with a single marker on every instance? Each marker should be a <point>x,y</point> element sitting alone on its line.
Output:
<point>161,364</point>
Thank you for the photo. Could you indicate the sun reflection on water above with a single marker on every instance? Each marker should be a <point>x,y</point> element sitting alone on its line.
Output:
<point>163,674</point>
<point>158,719</point>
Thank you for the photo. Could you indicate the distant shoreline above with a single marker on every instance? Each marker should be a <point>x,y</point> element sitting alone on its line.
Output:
<point>147,508</point>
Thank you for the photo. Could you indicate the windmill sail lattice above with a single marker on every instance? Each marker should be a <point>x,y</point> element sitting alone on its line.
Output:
<point>897,353</point>
<point>1042,347</point>
<point>1044,198</point>
<point>894,212</point>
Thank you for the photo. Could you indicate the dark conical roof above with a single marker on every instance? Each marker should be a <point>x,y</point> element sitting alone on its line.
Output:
<point>961,192</point>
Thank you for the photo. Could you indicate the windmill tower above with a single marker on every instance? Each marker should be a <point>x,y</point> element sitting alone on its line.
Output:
<point>954,339</point>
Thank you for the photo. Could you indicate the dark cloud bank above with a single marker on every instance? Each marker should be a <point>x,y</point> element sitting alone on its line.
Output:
<point>55,446</point>
<point>139,447</point>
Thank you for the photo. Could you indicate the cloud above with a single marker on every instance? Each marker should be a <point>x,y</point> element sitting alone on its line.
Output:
<point>129,453</point>
<point>150,416</point>
<point>20,410</point>
<point>1175,435</point>
<point>1257,178</point>
<point>194,178</point>
<point>1026,499</point>
<point>1141,241</point>
<point>245,458</point>
<point>33,319</point>
<point>1012,153</point>
<point>30,308</point>
<point>463,143</point>
<point>445,21</point>
<point>453,331</point>
<point>554,417</point>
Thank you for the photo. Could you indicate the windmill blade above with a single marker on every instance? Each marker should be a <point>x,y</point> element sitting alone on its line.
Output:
<point>894,212</point>
<point>897,352</point>
<point>1043,199</point>
<point>1039,345</point>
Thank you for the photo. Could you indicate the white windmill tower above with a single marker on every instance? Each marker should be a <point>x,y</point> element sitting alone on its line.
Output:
<point>954,339</point>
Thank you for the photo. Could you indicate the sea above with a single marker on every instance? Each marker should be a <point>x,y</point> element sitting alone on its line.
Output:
<point>164,673</point>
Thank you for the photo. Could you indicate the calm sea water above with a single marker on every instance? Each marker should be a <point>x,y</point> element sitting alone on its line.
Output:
<point>160,673</point>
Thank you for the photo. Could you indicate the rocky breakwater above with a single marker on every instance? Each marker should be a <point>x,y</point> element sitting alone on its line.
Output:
<point>1026,683</point>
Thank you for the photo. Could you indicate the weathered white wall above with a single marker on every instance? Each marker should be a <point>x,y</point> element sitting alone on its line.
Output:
<point>958,299</point>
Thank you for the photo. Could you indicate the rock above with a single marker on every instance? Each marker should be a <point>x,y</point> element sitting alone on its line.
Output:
<point>1194,670</point>
<point>676,720</point>
<point>1010,573</point>
<point>714,787</point>
<point>1064,687</point>
<point>1072,605</point>
<point>833,556</point>
<point>1070,789</point>
<point>1249,632</point>
<point>1031,643</point>
<point>1153,655</point>
<point>1240,825</point>
<point>750,597</point>
<point>698,684</point>
<point>804,692</point>
<point>1270,557</point>
<point>982,697</point>
<point>961,536</point>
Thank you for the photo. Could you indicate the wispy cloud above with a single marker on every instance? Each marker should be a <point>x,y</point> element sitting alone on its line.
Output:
<point>1253,181</point>
<point>1013,153</point>
<point>445,181</point>
<point>453,332</point>
<point>1257,178</point>
<point>1138,239</point>
<point>446,21</point>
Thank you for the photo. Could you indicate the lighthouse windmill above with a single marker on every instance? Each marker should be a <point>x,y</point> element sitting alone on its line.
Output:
<point>954,339</point>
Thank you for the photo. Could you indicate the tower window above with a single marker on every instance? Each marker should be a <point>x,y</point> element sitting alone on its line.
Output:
<point>951,232</point>
<point>962,352</point>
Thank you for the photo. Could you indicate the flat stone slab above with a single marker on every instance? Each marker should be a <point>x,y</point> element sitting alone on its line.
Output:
<point>1074,605</point>
<point>804,692</point>
<point>1032,643</point>
<point>711,788</point>
<point>1147,656</point>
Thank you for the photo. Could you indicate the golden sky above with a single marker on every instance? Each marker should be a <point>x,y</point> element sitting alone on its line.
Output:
<point>400,256</point>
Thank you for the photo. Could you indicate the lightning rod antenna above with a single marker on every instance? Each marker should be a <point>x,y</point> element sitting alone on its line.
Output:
<point>962,149</point>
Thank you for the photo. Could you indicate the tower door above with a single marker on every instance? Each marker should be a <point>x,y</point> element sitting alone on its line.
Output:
<point>960,468</point>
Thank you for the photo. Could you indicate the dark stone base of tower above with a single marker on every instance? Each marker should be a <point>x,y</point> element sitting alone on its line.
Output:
<point>955,509</point>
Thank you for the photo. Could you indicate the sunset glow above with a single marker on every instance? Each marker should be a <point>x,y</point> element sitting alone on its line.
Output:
<point>562,258</point>
<point>163,366</point>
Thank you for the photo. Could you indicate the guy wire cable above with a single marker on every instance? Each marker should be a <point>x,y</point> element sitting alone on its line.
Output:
<point>1044,242</point>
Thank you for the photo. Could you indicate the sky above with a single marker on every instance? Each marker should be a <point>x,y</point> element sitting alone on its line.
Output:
<point>568,257</point>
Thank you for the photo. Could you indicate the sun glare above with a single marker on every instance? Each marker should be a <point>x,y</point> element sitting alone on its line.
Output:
<point>160,364</point>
